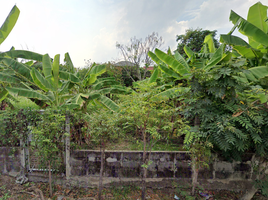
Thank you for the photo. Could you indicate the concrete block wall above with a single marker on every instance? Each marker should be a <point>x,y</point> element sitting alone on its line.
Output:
<point>127,164</point>
<point>124,167</point>
<point>10,160</point>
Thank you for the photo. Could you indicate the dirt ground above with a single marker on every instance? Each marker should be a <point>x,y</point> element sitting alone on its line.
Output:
<point>35,191</point>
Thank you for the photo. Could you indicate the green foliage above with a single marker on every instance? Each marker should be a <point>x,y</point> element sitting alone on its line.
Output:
<point>182,191</point>
<point>9,23</point>
<point>15,125</point>
<point>24,103</point>
<point>194,39</point>
<point>231,121</point>
<point>150,117</point>
<point>103,126</point>
<point>48,138</point>
<point>262,185</point>
<point>255,28</point>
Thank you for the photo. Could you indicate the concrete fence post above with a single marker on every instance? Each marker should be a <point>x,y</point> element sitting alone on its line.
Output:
<point>22,158</point>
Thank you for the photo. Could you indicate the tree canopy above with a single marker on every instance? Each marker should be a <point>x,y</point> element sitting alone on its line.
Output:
<point>194,39</point>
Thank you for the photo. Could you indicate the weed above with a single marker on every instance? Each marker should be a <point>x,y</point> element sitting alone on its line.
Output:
<point>124,191</point>
<point>5,197</point>
<point>183,191</point>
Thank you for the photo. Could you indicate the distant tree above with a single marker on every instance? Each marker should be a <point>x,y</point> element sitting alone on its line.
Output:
<point>137,53</point>
<point>194,39</point>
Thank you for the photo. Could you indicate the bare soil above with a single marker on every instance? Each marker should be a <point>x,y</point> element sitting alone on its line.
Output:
<point>35,191</point>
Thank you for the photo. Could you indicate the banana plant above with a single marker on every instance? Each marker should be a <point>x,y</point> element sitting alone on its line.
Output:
<point>46,87</point>
<point>5,30</point>
<point>8,59</point>
<point>178,68</point>
<point>256,50</point>
<point>91,89</point>
<point>255,28</point>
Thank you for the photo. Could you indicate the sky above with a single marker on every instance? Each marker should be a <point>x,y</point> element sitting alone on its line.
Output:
<point>89,29</point>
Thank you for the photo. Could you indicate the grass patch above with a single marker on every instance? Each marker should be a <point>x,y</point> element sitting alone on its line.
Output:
<point>135,144</point>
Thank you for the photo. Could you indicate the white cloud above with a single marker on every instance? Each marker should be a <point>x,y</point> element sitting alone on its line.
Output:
<point>89,29</point>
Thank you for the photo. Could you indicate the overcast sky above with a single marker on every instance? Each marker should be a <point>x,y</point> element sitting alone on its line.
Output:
<point>89,29</point>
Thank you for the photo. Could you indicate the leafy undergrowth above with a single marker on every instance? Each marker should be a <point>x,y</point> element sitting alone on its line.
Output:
<point>12,191</point>
<point>132,143</point>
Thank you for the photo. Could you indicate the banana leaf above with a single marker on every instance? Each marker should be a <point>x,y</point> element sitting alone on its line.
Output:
<point>55,69</point>
<point>90,79</point>
<point>69,77</point>
<point>69,63</point>
<point>29,55</point>
<point>108,103</point>
<point>259,72</point>
<point>179,58</point>
<point>64,88</point>
<point>209,41</point>
<point>189,52</point>
<point>255,35</point>
<point>168,71</point>
<point>257,15</point>
<point>113,90</point>
<point>27,93</point>
<point>172,62</point>
<point>3,95</point>
<point>170,93</point>
<point>21,69</point>
<point>154,75</point>
<point>97,70</point>
<point>104,83</point>
<point>154,57</point>
<point>47,66</point>
<point>40,81</point>
<point>216,58</point>
<point>77,99</point>
<point>253,74</point>
<point>9,23</point>
<point>70,106</point>
<point>4,77</point>
<point>241,46</point>
<point>120,90</point>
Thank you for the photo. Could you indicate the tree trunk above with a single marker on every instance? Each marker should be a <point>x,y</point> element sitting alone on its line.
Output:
<point>143,183</point>
<point>67,147</point>
<point>262,167</point>
<point>101,170</point>
<point>49,179</point>
<point>194,167</point>
<point>249,194</point>
<point>194,176</point>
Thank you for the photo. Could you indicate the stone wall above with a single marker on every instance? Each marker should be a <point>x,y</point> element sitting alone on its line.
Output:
<point>10,162</point>
<point>166,168</point>
<point>124,167</point>
<point>165,164</point>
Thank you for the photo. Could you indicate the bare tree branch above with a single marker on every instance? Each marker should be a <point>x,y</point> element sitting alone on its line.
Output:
<point>137,53</point>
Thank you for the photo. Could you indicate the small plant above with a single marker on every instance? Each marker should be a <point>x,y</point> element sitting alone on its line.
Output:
<point>185,194</point>
<point>6,196</point>
<point>262,184</point>
<point>123,192</point>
